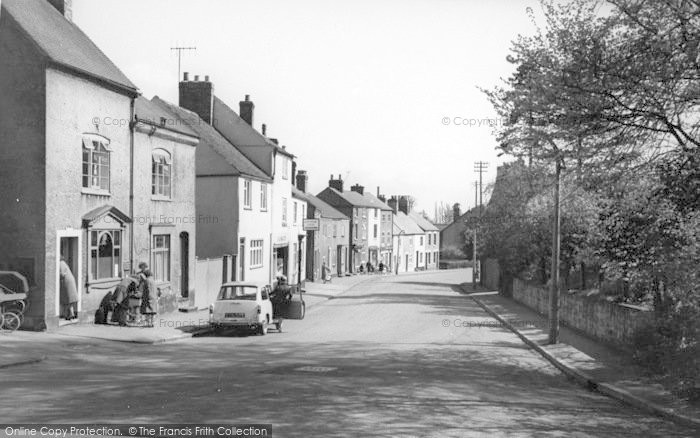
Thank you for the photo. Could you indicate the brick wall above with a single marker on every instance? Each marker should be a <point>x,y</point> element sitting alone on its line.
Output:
<point>609,322</point>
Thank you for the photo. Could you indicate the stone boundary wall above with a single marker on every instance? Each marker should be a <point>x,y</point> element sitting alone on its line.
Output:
<point>608,322</point>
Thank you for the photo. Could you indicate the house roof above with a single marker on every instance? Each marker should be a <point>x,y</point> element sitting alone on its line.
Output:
<point>98,213</point>
<point>152,112</point>
<point>361,200</point>
<point>406,224</point>
<point>422,222</point>
<point>377,202</point>
<point>208,136</point>
<point>468,216</point>
<point>64,43</point>
<point>323,207</point>
<point>243,134</point>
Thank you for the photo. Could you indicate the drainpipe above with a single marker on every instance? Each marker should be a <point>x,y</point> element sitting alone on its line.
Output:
<point>132,130</point>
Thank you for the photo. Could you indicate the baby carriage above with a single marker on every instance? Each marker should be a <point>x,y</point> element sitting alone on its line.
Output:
<point>13,299</point>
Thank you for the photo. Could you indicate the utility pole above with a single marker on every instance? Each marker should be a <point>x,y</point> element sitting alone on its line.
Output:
<point>179,51</point>
<point>556,238</point>
<point>480,167</point>
<point>476,198</point>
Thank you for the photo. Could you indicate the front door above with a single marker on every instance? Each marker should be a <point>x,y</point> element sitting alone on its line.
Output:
<point>184,264</point>
<point>68,284</point>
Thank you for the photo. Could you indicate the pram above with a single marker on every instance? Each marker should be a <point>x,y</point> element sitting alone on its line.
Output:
<point>13,299</point>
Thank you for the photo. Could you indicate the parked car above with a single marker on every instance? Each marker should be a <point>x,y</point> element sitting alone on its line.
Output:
<point>244,306</point>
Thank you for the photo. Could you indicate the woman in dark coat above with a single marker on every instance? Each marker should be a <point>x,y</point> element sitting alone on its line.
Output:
<point>119,299</point>
<point>149,306</point>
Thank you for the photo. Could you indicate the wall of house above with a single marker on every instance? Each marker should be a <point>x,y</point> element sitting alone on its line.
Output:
<point>74,105</point>
<point>386,246</point>
<point>452,238</point>
<point>298,236</point>
<point>374,219</point>
<point>432,248</point>
<point>420,241</point>
<point>405,245</point>
<point>22,173</point>
<point>154,215</point>
<point>255,224</point>
<point>217,216</point>
<point>609,322</point>
<point>359,216</point>
<point>333,233</point>
<point>283,233</point>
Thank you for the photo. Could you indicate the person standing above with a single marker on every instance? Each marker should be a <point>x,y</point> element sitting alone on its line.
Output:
<point>326,273</point>
<point>69,291</point>
<point>149,303</point>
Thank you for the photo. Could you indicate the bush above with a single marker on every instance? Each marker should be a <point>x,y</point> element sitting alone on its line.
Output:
<point>670,345</point>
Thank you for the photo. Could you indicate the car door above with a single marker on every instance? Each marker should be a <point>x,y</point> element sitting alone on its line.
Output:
<point>266,305</point>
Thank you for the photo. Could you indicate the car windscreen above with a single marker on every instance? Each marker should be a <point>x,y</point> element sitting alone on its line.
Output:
<point>238,293</point>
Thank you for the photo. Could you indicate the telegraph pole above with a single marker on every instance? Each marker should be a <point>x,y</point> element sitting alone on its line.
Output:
<point>556,239</point>
<point>179,51</point>
<point>480,167</point>
<point>476,198</point>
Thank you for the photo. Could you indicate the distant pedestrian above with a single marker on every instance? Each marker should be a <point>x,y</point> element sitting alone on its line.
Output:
<point>326,273</point>
<point>149,294</point>
<point>369,267</point>
<point>69,291</point>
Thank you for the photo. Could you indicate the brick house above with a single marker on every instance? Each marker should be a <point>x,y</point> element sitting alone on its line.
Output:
<point>328,240</point>
<point>67,147</point>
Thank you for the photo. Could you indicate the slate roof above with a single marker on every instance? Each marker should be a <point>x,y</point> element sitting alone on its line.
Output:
<point>243,133</point>
<point>151,112</point>
<point>208,136</point>
<point>377,202</point>
<point>324,208</point>
<point>406,224</point>
<point>422,222</point>
<point>63,43</point>
<point>357,200</point>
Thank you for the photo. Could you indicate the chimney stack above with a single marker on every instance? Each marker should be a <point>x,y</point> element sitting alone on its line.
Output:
<point>393,203</point>
<point>197,97</point>
<point>382,198</point>
<point>246,109</point>
<point>456,212</point>
<point>302,180</point>
<point>358,189</point>
<point>65,7</point>
<point>186,77</point>
<point>404,204</point>
<point>336,183</point>
<point>264,130</point>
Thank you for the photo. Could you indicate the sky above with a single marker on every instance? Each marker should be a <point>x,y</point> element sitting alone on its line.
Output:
<point>383,92</point>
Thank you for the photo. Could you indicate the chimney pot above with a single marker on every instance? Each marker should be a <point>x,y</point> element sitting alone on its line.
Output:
<point>264,130</point>
<point>336,183</point>
<point>206,78</point>
<point>247,97</point>
<point>196,78</point>
<point>186,77</point>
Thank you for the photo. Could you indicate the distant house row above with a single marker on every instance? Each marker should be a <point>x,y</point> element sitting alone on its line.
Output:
<point>100,177</point>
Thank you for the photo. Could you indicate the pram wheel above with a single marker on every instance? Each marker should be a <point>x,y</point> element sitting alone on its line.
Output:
<point>10,321</point>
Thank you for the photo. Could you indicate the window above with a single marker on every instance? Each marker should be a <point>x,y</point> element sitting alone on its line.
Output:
<point>364,213</point>
<point>105,254</point>
<point>342,230</point>
<point>263,197</point>
<point>161,166</point>
<point>285,168</point>
<point>247,198</point>
<point>284,212</point>
<point>356,235</point>
<point>355,212</point>
<point>295,212</point>
<point>96,163</point>
<point>335,230</point>
<point>303,211</point>
<point>160,252</point>
<point>375,231</point>
<point>421,240</point>
<point>256,253</point>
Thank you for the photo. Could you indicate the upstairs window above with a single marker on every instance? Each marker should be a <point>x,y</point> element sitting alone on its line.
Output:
<point>284,212</point>
<point>285,168</point>
<point>295,212</point>
<point>263,197</point>
<point>96,162</point>
<point>160,173</point>
<point>247,193</point>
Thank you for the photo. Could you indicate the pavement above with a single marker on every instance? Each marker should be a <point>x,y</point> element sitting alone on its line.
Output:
<point>592,364</point>
<point>378,356</point>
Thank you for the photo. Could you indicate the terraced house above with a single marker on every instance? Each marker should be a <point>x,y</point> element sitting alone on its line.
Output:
<point>83,179</point>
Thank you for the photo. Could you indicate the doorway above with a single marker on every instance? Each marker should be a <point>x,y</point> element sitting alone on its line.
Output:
<point>184,264</point>
<point>68,249</point>
<point>241,261</point>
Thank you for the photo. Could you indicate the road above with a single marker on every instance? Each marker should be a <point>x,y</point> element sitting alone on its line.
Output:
<point>404,356</point>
